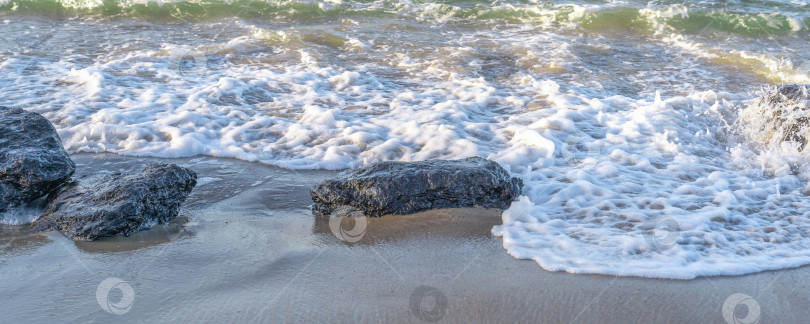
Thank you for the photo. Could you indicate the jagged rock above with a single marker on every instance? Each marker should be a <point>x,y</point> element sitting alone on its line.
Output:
<point>789,108</point>
<point>110,204</point>
<point>409,187</point>
<point>32,160</point>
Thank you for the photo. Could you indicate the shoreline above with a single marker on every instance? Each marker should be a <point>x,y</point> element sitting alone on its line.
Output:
<point>241,252</point>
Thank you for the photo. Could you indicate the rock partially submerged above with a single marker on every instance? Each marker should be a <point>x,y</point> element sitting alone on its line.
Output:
<point>110,204</point>
<point>783,114</point>
<point>401,188</point>
<point>32,160</point>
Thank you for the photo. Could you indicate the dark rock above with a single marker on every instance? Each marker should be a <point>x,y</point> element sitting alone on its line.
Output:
<point>789,107</point>
<point>110,204</point>
<point>787,94</point>
<point>409,187</point>
<point>32,160</point>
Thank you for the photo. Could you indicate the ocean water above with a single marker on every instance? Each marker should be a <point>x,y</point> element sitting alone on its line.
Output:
<point>635,125</point>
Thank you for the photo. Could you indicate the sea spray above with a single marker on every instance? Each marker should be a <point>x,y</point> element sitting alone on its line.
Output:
<point>619,117</point>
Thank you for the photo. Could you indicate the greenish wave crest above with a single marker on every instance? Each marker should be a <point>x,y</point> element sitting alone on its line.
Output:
<point>434,12</point>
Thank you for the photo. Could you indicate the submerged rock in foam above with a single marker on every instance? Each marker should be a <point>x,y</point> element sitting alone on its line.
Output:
<point>782,115</point>
<point>615,181</point>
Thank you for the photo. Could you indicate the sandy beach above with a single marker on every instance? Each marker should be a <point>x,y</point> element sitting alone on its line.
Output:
<point>246,249</point>
<point>631,161</point>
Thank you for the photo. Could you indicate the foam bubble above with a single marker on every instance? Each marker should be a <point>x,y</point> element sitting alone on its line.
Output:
<point>614,156</point>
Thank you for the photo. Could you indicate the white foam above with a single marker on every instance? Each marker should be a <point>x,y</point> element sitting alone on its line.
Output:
<point>20,215</point>
<point>606,175</point>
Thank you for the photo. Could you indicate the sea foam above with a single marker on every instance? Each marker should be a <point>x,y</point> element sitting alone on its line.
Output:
<point>632,162</point>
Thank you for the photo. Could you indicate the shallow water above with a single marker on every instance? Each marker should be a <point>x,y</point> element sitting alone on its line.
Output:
<point>621,117</point>
<point>243,252</point>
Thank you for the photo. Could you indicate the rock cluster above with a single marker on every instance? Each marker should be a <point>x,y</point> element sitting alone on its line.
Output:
<point>34,164</point>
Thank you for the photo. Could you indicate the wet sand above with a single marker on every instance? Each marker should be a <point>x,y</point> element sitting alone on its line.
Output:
<point>246,249</point>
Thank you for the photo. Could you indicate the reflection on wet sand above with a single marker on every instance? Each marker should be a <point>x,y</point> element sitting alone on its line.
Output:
<point>447,223</point>
<point>220,180</point>
<point>157,235</point>
<point>247,249</point>
<point>15,239</point>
